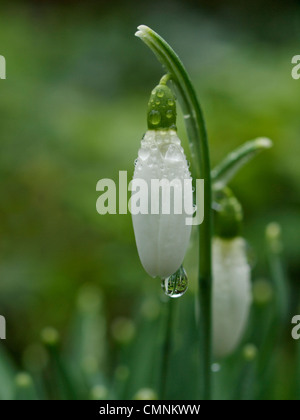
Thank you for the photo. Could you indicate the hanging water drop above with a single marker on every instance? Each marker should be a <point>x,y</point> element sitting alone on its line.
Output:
<point>155,117</point>
<point>169,114</point>
<point>175,285</point>
<point>173,154</point>
<point>160,93</point>
<point>144,153</point>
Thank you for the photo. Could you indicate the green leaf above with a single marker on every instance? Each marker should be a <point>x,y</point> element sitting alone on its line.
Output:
<point>25,387</point>
<point>7,372</point>
<point>233,162</point>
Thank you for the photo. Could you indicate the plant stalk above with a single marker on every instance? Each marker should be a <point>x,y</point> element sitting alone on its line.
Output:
<point>166,347</point>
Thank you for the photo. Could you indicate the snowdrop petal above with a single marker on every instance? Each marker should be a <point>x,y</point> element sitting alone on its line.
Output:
<point>231,294</point>
<point>162,239</point>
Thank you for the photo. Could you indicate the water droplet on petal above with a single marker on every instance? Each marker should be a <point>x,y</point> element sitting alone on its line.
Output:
<point>135,162</point>
<point>175,285</point>
<point>155,117</point>
<point>173,154</point>
<point>144,153</point>
<point>160,93</point>
<point>175,140</point>
<point>169,114</point>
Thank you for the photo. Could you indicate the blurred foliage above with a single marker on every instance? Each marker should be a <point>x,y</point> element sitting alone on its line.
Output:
<point>72,111</point>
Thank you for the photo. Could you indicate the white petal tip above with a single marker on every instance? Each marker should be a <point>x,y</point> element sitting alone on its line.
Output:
<point>143,28</point>
<point>142,31</point>
<point>264,142</point>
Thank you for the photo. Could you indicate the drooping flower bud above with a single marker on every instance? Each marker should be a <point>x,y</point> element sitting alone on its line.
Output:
<point>231,278</point>
<point>160,228</point>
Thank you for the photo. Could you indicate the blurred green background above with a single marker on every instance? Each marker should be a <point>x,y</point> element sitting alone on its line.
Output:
<point>72,111</point>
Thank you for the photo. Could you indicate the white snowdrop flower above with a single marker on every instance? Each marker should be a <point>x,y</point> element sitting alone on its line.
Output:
<point>231,293</point>
<point>160,228</point>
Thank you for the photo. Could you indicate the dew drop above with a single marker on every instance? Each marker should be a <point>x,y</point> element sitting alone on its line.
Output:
<point>175,285</point>
<point>169,113</point>
<point>160,93</point>
<point>175,140</point>
<point>144,153</point>
<point>157,102</point>
<point>155,117</point>
<point>135,162</point>
<point>173,154</point>
<point>170,102</point>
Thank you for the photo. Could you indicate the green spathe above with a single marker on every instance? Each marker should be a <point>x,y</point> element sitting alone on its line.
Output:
<point>228,215</point>
<point>161,113</point>
<point>107,409</point>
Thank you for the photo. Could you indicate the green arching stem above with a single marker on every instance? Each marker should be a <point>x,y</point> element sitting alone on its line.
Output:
<point>229,166</point>
<point>165,79</point>
<point>201,169</point>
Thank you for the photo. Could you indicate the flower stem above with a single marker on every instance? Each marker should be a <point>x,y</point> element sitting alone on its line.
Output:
<point>201,169</point>
<point>167,347</point>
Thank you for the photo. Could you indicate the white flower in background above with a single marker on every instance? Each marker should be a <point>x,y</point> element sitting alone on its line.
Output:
<point>231,293</point>
<point>162,239</point>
